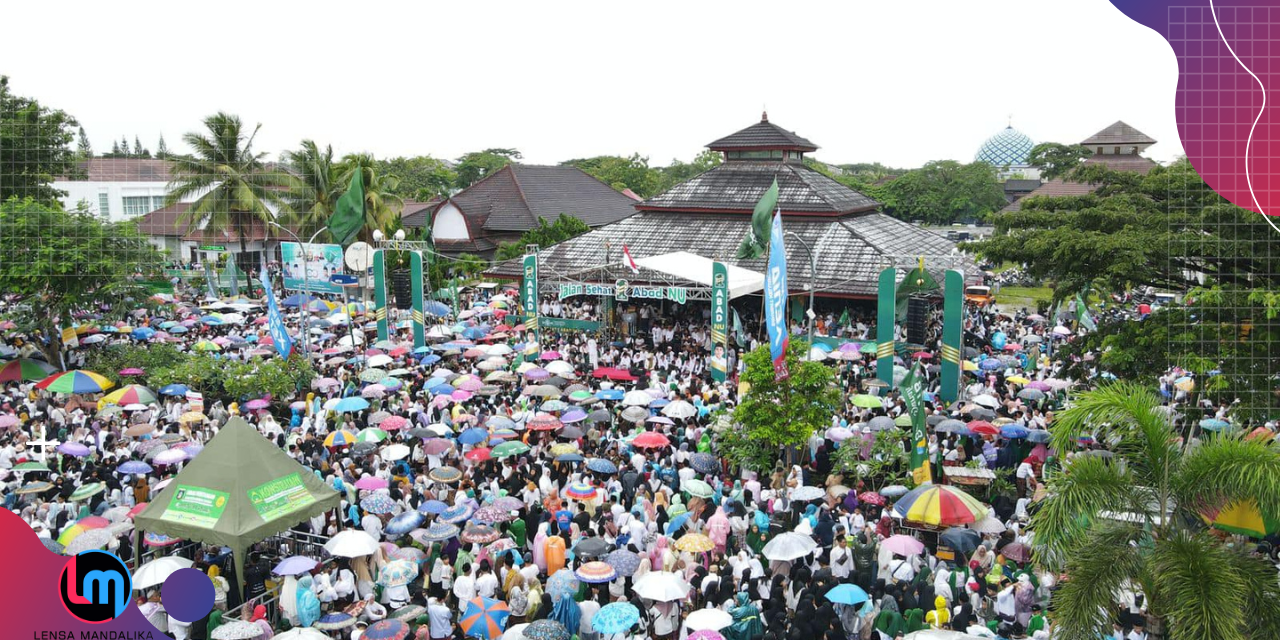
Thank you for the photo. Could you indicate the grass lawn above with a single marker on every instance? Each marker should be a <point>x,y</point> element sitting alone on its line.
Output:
<point>1015,298</point>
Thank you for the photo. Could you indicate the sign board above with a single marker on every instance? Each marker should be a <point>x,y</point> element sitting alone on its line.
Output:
<point>212,247</point>
<point>344,280</point>
<point>196,506</point>
<point>280,497</point>
<point>569,324</point>
<point>307,267</point>
<point>623,291</point>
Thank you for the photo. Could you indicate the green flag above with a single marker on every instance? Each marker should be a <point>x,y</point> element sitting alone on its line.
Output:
<point>757,239</point>
<point>348,215</point>
<point>1082,312</point>
<point>739,335</point>
<point>844,318</point>
<point>913,397</point>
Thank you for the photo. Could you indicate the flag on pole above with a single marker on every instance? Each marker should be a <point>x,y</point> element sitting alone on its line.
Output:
<point>348,214</point>
<point>913,397</point>
<point>628,261</point>
<point>753,246</point>
<point>739,335</point>
<point>775,300</point>
<point>275,322</point>
<point>1082,311</point>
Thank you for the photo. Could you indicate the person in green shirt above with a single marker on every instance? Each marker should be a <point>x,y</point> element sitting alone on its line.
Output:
<point>516,530</point>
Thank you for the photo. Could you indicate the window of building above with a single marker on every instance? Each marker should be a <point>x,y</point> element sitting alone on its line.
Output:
<point>157,202</point>
<point>137,205</point>
<point>104,204</point>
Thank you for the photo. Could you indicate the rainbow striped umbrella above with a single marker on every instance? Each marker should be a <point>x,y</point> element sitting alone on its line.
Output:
<point>20,370</point>
<point>940,505</point>
<point>1244,518</point>
<point>485,618</point>
<point>78,381</point>
<point>580,491</point>
<point>340,438</point>
<point>130,394</point>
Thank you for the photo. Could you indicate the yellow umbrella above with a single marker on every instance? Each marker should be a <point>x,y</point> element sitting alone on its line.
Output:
<point>968,366</point>
<point>192,416</point>
<point>1017,379</point>
<point>1246,519</point>
<point>694,543</point>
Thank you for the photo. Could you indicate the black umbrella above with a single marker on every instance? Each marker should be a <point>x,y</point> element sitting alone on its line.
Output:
<point>599,415</point>
<point>570,433</point>
<point>364,447</point>
<point>591,548</point>
<point>419,432</point>
<point>961,540</point>
<point>934,419</point>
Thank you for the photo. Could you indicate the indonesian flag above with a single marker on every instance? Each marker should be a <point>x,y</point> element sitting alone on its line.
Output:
<point>627,260</point>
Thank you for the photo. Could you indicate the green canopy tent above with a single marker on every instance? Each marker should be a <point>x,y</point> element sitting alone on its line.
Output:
<point>239,490</point>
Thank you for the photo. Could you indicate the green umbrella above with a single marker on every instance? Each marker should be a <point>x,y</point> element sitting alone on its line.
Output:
<point>24,369</point>
<point>30,466</point>
<point>697,488</point>
<point>373,375</point>
<point>508,449</point>
<point>866,402</point>
<point>87,491</point>
<point>903,420</point>
<point>372,434</point>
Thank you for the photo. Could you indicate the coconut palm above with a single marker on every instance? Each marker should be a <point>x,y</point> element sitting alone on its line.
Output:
<point>1138,521</point>
<point>312,198</point>
<point>235,188</point>
<point>381,207</point>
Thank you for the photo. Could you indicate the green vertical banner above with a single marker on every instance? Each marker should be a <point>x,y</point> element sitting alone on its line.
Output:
<point>529,295</point>
<point>233,275</point>
<point>952,335</point>
<point>453,296</point>
<point>419,320</point>
<point>380,293</point>
<point>913,397</point>
<point>719,322</point>
<point>886,322</point>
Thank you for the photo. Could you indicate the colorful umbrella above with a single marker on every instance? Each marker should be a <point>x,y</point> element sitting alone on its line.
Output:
<point>397,573</point>
<point>437,532</point>
<point>695,543</point>
<point>616,617</point>
<point>939,505</point>
<point>25,370</point>
<point>389,629</point>
<point>561,584</point>
<point>77,381</point>
<point>378,503</point>
<point>328,622</point>
<point>484,618</point>
<point>456,514</point>
<point>600,465</point>
<point>340,438</point>
<point>624,562</point>
<point>446,475</point>
<point>1017,552</point>
<point>596,572</point>
<point>404,523</point>
<point>479,533</point>
<point>1244,518</point>
<point>545,629</point>
<point>508,449</point>
<point>87,491</point>
<point>580,491</point>
<point>493,515</point>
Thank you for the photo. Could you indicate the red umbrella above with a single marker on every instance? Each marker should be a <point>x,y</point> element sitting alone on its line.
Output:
<point>136,510</point>
<point>613,373</point>
<point>651,440</point>
<point>478,455</point>
<point>544,422</point>
<point>983,428</point>
<point>871,497</point>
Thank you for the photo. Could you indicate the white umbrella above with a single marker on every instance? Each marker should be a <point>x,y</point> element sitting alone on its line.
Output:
<point>680,410</point>
<point>988,525</point>
<point>516,632</point>
<point>708,619</point>
<point>817,355</point>
<point>500,350</point>
<point>395,452</point>
<point>347,339</point>
<point>157,571</point>
<point>636,399</point>
<point>301,633</point>
<point>379,360</point>
<point>987,401</point>
<point>939,634</point>
<point>662,586</point>
<point>789,546</point>
<point>807,493</point>
<point>351,543</point>
<point>559,367</point>
<point>237,630</point>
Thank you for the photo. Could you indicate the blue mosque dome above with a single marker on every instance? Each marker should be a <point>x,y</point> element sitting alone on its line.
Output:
<point>1007,148</point>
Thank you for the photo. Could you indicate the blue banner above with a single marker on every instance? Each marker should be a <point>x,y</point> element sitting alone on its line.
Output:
<point>775,300</point>
<point>275,322</point>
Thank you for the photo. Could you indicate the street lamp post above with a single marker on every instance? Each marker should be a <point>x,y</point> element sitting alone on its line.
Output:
<point>306,283</point>
<point>813,274</point>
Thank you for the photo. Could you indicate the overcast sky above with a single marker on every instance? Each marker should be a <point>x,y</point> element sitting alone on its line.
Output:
<point>901,83</point>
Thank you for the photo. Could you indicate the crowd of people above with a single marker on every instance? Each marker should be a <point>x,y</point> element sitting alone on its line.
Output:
<point>584,487</point>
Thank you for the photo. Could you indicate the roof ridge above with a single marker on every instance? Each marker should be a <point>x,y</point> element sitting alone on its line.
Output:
<point>533,215</point>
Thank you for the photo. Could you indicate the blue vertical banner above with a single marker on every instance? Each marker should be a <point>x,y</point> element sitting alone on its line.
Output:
<point>775,300</point>
<point>275,322</point>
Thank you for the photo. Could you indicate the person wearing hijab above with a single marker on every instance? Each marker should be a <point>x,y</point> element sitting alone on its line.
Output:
<point>259,618</point>
<point>566,612</point>
<point>940,615</point>
<point>215,621</point>
<point>308,603</point>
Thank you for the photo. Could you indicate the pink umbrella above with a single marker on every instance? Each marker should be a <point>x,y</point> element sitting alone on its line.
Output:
<point>170,456</point>
<point>460,395</point>
<point>851,347</point>
<point>441,402</point>
<point>903,545</point>
<point>262,320</point>
<point>8,421</point>
<point>266,340</point>
<point>471,384</point>
<point>922,355</point>
<point>132,371</point>
<point>1038,385</point>
<point>369,353</point>
<point>373,391</point>
<point>839,434</point>
<point>222,341</point>
<point>326,383</point>
<point>392,423</point>
<point>257,405</point>
<point>436,446</point>
<point>371,483</point>
<point>549,355</point>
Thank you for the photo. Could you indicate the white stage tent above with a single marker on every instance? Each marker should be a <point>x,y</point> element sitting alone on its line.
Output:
<point>695,268</point>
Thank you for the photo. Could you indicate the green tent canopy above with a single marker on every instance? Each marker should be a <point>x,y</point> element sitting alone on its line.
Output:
<point>241,489</point>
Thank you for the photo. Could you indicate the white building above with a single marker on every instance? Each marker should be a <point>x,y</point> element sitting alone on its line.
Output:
<point>118,188</point>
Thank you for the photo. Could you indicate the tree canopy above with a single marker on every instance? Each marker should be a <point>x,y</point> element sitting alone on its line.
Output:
<point>1055,160</point>
<point>944,191</point>
<point>478,164</point>
<point>421,178</point>
<point>543,235</point>
<point>633,172</point>
<point>35,147</point>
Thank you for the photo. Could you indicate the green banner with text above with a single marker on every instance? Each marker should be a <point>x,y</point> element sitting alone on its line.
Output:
<point>280,497</point>
<point>719,322</point>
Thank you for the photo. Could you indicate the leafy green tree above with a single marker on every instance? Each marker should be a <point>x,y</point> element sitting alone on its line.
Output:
<point>478,164</point>
<point>260,377</point>
<point>774,415</point>
<point>84,150</point>
<point>1054,159</point>
<point>945,191</point>
<point>622,173</point>
<point>381,206</point>
<point>115,150</point>
<point>1197,587</point>
<point>35,147</point>
<point>543,235</point>
<point>421,178</point>
<point>57,262</point>
<point>678,171</point>
<point>315,190</point>
<point>138,150</point>
<point>124,148</point>
<point>162,150</point>
<point>234,186</point>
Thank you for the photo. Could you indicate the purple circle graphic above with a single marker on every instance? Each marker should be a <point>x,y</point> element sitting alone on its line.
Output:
<point>187,595</point>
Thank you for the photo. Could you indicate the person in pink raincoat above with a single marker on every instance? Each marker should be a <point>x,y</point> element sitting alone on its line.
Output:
<point>718,529</point>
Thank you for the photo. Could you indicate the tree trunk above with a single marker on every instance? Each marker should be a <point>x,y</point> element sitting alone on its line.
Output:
<point>1155,628</point>
<point>53,350</point>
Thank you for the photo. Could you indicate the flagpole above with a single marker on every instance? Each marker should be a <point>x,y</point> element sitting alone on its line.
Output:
<point>306,283</point>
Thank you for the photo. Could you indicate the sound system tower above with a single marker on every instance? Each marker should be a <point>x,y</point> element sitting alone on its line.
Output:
<point>917,319</point>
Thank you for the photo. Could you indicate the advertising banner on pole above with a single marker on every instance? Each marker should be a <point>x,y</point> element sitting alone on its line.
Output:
<point>529,295</point>
<point>952,335</point>
<point>886,321</point>
<point>380,294</point>
<point>312,263</point>
<point>419,319</point>
<point>913,397</point>
<point>719,321</point>
<point>775,300</point>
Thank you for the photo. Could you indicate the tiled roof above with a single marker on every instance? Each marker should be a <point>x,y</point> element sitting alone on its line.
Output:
<point>1118,133</point>
<point>763,135</point>
<point>417,214</point>
<point>125,170</point>
<point>479,245</point>
<point>1060,187</point>
<point>164,222</point>
<point>517,196</point>
<point>257,231</point>
<point>849,250</point>
<point>737,186</point>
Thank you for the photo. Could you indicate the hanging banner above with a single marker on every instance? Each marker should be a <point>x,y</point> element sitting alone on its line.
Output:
<point>280,497</point>
<point>69,337</point>
<point>419,319</point>
<point>886,321</point>
<point>529,294</point>
<point>232,274</point>
<point>196,506</point>
<point>1082,308</point>
<point>719,321</point>
<point>913,397</point>
<point>775,300</point>
<point>307,266</point>
<point>952,335</point>
<point>211,279</point>
<point>380,294</point>
<point>275,321</point>
<point>623,291</point>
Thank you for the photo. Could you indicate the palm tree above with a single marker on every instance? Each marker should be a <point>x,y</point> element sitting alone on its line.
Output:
<point>314,194</point>
<point>1197,585</point>
<point>234,185</point>
<point>381,207</point>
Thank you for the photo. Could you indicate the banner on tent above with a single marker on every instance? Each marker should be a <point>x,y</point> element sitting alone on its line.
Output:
<point>196,506</point>
<point>622,291</point>
<point>567,324</point>
<point>719,321</point>
<point>280,497</point>
<point>308,266</point>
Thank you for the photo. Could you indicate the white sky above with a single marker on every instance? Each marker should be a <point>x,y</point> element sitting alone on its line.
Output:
<point>901,83</point>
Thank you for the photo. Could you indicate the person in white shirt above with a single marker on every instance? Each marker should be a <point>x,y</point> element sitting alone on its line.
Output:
<point>464,586</point>
<point>841,557</point>
<point>486,582</point>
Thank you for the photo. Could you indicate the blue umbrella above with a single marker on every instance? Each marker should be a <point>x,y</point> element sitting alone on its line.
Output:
<point>294,565</point>
<point>659,403</point>
<point>351,404</point>
<point>609,394</point>
<point>615,617</point>
<point>438,532</point>
<point>168,324</point>
<point>1014,431</point>
<point>501,422</point>
<point>546,629</point>
<point>143,333</point>
<point>704,463</point>
<point>844,594</point>
<point>435,382</point>
<point>562,583</point>
<point>454,515</point>
<point>404,523</point>
<point>431,359</point>
<point>296,300</point>
<point>422,350</point>
<point>568,457</point>
<point>474,435</point>
<point>600,465</point>
<point>436,308</point>
<point>174,390</point>
<point>474,333</point>
<point>1038,436</point>
<point>134,467</point>
<point>623,561</point>
<point>432,507</point>
<point>1214,424</point>
<point>990,364</point>
<point>211,321</point>
<point>179,329</point>
<point>678,522</point>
